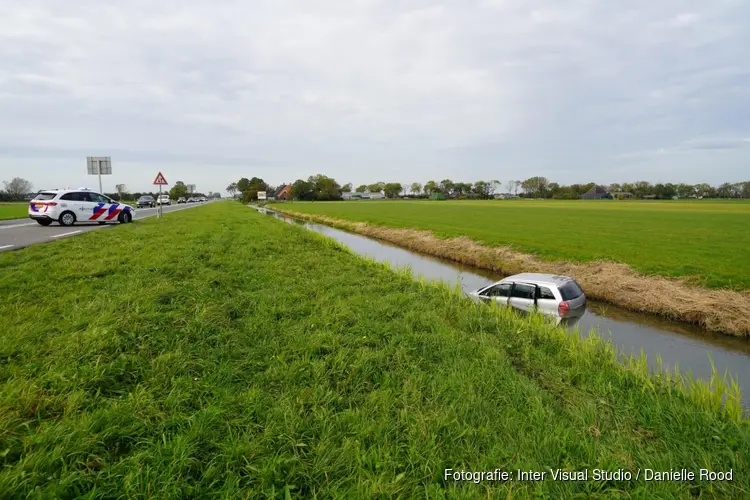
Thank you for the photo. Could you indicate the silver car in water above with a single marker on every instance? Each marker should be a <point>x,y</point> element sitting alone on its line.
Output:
<point>560,297</point>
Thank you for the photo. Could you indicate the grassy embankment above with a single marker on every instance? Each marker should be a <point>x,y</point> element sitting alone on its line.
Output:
<point>608,246</point>
<point>253,358</point>
<point>14,210</point>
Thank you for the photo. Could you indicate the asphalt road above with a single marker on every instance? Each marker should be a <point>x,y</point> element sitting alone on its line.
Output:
<point>20,233</point>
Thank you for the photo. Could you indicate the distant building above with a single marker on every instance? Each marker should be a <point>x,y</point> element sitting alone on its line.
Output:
<point>622,195</point>
<point>504,196</point>
<point>283,193</point>
<point>596,193</point>
<point>367,195</point>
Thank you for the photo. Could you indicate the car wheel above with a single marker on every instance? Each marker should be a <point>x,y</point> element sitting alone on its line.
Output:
<point>67,219</point>
<point>44,222</point>
<point>125,218</point>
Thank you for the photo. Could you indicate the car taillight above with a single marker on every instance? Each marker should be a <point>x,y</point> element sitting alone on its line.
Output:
<point>51,203</point>
<point>563,308</point>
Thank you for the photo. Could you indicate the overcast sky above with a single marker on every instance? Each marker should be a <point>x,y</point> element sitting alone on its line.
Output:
<point>364,90</point>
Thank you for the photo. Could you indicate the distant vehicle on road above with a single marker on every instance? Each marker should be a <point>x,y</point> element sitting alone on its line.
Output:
<point>68,206</point>
<point>164,200</point>
<point>181,199</point>
<point>145,201</point>
<point>560,297</point>
<point>202,199</point>
<point>191,200</point>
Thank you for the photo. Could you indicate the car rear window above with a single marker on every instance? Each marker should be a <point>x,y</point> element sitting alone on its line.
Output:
<point>45,196</point>
<point>570,291</point>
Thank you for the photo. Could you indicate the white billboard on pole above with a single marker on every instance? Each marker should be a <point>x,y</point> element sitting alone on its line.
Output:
<point>99,165</point>
<point>261,195</point>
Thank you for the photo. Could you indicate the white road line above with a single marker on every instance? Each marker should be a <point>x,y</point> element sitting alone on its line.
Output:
<point>17,225</point>
<point>64,234</point>
<point>6,246</point>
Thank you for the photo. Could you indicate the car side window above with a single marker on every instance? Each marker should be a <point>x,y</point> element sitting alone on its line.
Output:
<point>545,293</point>
<point>97,198</point>
<point>501,290</point>
<point>70,197</point>
<point>521,291</point>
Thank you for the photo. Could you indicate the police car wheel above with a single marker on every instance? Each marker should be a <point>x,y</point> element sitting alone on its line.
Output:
<point>125,218</point>
<point>67,219</point>
<point>44,222</point>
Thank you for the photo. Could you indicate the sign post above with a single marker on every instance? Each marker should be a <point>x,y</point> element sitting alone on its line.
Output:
<point>99,165</point>
<point>160,181</point>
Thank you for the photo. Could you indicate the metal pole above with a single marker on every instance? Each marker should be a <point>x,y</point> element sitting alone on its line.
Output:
<point>160,203</point>
<point>99,169</point>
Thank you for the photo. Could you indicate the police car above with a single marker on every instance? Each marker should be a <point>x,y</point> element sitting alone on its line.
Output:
<point>68,206</point>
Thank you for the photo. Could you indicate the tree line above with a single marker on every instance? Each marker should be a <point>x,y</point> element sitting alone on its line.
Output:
<point>324,188</point>
<point>541,187</point>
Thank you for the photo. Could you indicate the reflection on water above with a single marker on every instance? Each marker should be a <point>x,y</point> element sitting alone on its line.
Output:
<point>676,343</point>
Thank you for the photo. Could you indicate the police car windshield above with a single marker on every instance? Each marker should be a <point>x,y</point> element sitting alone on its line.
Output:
<point>45,196</point>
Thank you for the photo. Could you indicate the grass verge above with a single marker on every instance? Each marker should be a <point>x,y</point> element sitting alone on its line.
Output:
<point>252,358</point>
<point>13,211</point>
<point>723,311</point>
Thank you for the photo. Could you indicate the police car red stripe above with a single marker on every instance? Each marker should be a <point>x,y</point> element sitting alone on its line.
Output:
<point>98,211</point>
<point>114,211</point>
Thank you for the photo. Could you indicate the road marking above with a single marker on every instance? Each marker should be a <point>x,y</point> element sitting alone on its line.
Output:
<point>17,225</point>
<point>6,246</point>
<point>64,234</point>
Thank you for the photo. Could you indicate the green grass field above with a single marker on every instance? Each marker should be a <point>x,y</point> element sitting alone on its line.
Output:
<point>708,240</point>
<point>250,358</point>
<point>14,210</point>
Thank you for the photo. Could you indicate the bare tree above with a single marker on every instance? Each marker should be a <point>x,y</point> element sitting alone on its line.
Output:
<point>121,190</point>
<point>18,187</point>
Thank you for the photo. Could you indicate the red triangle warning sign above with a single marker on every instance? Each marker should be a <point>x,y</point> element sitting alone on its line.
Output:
<point>160,180</point>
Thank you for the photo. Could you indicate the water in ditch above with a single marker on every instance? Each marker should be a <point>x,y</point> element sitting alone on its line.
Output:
<point>682,345</point>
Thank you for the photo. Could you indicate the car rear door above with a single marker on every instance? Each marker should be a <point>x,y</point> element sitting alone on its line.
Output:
<point>522,296</point>
<point>72,202</point>
<point>546,302</point>
<point>86,207</point>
